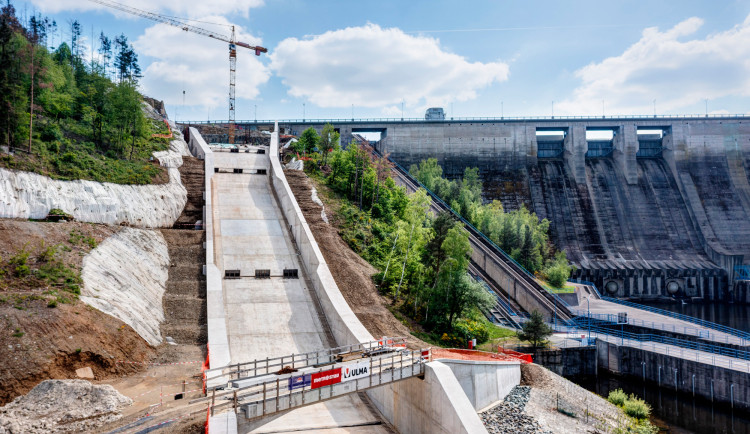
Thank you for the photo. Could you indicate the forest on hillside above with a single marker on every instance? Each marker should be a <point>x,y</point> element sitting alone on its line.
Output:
<point>70,117</point>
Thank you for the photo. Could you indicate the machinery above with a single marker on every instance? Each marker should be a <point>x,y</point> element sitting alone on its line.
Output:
<point>233,44</point>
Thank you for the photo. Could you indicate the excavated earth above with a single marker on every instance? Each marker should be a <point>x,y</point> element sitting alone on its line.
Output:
<point>41,342</point>
<point>351,273</point>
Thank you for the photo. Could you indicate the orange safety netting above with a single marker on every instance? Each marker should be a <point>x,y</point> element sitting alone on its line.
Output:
<point>164,136</point>
<point>483,356</point>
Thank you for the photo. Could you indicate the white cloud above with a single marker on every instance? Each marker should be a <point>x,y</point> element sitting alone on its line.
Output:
<point>371,67</point>
<point>662,67</point>
<point>184,8</point>
<point>198,63</point>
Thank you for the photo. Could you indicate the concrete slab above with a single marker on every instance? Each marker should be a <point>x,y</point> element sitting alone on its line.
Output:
<point>271,317</point>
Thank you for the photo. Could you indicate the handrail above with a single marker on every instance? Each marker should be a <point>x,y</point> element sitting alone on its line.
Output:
<point>587,283</point>
<point>682,343</point>
<point>264,366</point>
<point>470,118</point>
<point>690,331</point>
<point>702,322</point>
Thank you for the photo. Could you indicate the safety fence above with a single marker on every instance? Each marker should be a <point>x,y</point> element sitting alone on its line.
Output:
<point>701,322</point>
<point>650,338</point>
<point>701,333</point>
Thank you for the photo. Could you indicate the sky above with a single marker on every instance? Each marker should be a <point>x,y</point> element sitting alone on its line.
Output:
<point>392,58</point>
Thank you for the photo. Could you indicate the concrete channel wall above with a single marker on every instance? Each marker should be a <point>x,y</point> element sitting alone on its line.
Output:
<point>436,404</point>
<point>715,383</point>
<point>218,349</point>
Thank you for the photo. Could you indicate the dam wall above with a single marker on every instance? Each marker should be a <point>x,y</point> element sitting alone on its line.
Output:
<point>660,209</point>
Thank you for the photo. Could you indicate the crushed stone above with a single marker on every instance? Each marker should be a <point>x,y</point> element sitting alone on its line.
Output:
<point>62,406</point>
<point>509,416</point>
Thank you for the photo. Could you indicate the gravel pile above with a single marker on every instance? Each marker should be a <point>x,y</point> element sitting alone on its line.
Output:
<point>62,406</point>
<point>509,416</point>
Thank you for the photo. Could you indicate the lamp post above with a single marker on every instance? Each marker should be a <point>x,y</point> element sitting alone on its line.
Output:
<point>588,318</point>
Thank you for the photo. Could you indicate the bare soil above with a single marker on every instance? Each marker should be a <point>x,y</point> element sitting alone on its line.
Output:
<point>352,274</point>
<point>41,342</point>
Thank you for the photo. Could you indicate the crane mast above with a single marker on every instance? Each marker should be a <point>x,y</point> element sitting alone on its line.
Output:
<point>233,43</point>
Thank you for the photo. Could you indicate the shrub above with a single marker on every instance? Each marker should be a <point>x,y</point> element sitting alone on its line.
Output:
<point>617,397</point>
<point>22,270</point>
<point>636,407</point>
<point>52,303</point>
<point>468,329</point>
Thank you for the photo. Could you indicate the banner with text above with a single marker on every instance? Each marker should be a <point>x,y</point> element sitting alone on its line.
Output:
<point>325,378</point>
<point>299,381</point>
<point>354,371</point>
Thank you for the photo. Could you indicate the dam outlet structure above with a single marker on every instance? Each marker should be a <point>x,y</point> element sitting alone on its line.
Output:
<point>646,207</point>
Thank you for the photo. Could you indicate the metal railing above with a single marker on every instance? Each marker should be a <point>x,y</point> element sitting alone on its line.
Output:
<point>701,322</point>
<point>587,283</point>
<point>270,366</point>
<point>469,119</point>
<point>698,354</point>
<point>700,333</point>
<point>308,386</point>
<point>666,340</point>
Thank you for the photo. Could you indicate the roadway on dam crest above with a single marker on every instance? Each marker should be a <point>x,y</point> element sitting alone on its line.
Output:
<point>271,317</point>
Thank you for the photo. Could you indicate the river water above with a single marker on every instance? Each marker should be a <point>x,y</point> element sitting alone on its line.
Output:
<point>678,412</point>
<point>674,412</point>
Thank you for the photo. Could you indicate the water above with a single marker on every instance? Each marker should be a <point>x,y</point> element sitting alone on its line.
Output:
<point>675,412</point>
<point>731,315</point>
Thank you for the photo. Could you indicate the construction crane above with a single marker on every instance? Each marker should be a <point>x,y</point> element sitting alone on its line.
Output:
<point>172,21</point>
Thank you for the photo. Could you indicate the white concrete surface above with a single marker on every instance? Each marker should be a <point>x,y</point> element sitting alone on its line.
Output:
<point>411,406</point>
<point>126,276</point>
<point>29,195</point>
<point>218,343</point>
<point>436,404</point>
<point>485,383</point>
<point>269,317</point>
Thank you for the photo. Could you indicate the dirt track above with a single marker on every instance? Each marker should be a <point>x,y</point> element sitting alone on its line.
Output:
<point>351,273</point>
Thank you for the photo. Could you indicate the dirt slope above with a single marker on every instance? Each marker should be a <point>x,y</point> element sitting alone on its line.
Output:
<point>41,342</point>
<point>351,273</point>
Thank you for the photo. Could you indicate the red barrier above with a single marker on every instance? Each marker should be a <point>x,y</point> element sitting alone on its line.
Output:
<point>526,358</point>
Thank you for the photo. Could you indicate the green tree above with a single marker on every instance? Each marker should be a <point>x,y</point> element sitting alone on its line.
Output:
<point>557,270</point>
<point>329,141</point>
<point>535,330</point>
<point>307,142</point>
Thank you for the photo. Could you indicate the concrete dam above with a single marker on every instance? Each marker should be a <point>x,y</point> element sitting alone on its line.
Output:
<point>645,207</point>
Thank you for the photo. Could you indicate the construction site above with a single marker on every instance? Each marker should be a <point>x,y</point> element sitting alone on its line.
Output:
<point>226,281</point>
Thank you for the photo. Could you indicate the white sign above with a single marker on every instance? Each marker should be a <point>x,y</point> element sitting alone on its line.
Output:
<point>355,371</point>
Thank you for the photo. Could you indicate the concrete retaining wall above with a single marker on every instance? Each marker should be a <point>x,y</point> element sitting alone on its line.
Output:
<point>715,383</point>
<point>412,406</point>
<point>569,362</point>
<point>218,350</point>
<point>484,382</point>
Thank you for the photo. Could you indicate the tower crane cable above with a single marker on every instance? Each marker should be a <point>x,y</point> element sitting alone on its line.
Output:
<point>173,21</point>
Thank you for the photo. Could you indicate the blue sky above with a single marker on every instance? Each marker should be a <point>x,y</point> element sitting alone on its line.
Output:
<point>475,58</point>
